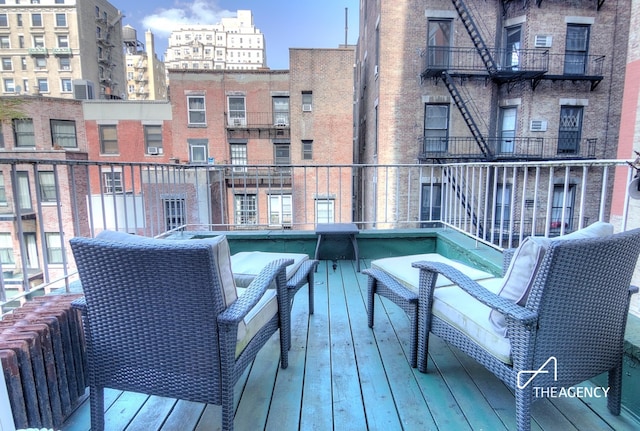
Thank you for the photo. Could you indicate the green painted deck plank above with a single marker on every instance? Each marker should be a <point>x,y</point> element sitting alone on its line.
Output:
<point>348,410</point>
<point>440,401</point>
<point>286,405</point>
<point>122,411</point>
<point>184,416</point>
<point>377,380</point>
<point>152,414</point>
<point>253,409</point>
<point>317,413</point>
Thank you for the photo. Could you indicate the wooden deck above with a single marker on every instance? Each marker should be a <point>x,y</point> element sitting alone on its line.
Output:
<point>344,376</point>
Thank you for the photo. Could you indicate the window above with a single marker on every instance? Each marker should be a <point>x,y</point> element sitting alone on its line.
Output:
<point>153,139</point>
<point>246,212</point>
<point>54,247</point>
<point>237,113</point>
<point>307,101</point>
<point>174,213</point>
<point>36,20</point>
<point>64,63</point>
<point>198,150</point>
<point>108,139</point>
<point>280,210</point>
<point>38,41</point>
<point>238,156</point>
<point>23,132</point>
<point>282,154</point>
<point>7,64</point>
<point>65,85</point>
<point>570,131</point>
<point>503,205</point>
<point>40,63</point>
<point>6,249</point>
<point>24,191</point>
<point>59,2</point>
<point>3,192</point>
<point>281,111</point>
<point>23,64</point>
<point>512,45</point>
<point>307,150</point>
<point>507,130</point>
<point>9,86</point>
<point>431,202</point>
<point>31,249</point>
<point>19,18</point>
<point>436,128</point>
<point>61,20</point>
<point>112,182</point>
<point>439,43</point>
<point>47,185</point>
<point>43,85</point>
<point>4,21</point>
<point>576,49</point>
<point>4,42</point>
<point>63,133</point>
<point>63,41</point>
<point>196,108</point>
<point>324,211</point>
<point>562,208</point>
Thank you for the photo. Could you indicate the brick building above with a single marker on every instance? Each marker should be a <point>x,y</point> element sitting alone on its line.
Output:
<point>33,232</point>
<point>471,80</point>
<point>264,123</point>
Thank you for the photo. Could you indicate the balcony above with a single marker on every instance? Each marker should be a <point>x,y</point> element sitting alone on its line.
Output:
<point>341,374</point>
<point>61,51</point>
<point>258,124</point>
<point>517,148</point>
<point>38,51</point>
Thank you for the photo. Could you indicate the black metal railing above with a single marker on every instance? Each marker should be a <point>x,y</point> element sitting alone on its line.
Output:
<point>243,119</point>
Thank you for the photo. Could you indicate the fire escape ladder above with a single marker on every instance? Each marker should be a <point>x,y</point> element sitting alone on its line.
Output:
<point>476,38</point>
<point>458,190</point>
<point>466,115</point>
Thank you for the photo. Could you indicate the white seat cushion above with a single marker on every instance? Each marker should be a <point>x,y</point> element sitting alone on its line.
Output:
<point>257,317</point>
<point>473,318</point>
<point>400,268</point>
<point>247,264</point>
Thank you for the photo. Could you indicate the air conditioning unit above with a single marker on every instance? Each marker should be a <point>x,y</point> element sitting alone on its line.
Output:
<point>238,122</point>
<point>281,122</point>
<point>306,107</point>
<point>542,41</point>
<point>83,89</point>
<point>153,151</point>
<point>538,126</point>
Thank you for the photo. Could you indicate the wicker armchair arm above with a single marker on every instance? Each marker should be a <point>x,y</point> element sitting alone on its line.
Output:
<point>507,255</point>
<point>384,278</point>
<point>80,304</point>
<point>239,309</point>
<point>506,307</point>
<point>633,289</point>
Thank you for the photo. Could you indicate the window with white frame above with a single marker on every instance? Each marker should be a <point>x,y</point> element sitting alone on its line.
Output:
<point>47,186</point>
<point>196,108</point>
<point>63,41</point>
<point>307,149</point>
<point>43,85</point>
<point>38,41</point>
<point>562,207</point>
<point>32,250</point>
<point>246,209</point>
<point>61,20</point>
<point>3,192</point>
<point>153,138</point>
<point>198,150</point>
<point>108,139</point>
<point>325,210</point>
<point>24,191</point>
<point>281,110</point>
<point>40,63</point>
<point>6,249</point>
<point>65,85</point>
<point>63,133</point>
<point>7,63</point>
<point>238,156</point>
<point>64,63</point>
<point>4,21</point>
<point>54,247</point>
<point>9,85</point>
<point>36,20</point>
<point>237,112</point>
<point>5,42</point>
<point>280,210</point>
<point>112,182</point>
<point>503,206</point>
<point>23,132</point>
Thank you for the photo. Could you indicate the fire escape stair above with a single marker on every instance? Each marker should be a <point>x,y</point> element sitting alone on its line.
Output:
<point>476,37</point>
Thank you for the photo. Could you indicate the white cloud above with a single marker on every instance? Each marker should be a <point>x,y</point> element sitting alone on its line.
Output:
<point>203,12</point>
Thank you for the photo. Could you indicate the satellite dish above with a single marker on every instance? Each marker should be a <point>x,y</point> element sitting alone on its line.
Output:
<point>634,188</point>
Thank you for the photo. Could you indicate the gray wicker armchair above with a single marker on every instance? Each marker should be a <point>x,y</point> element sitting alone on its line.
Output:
<point>165,318</point>
<point>574,317</point>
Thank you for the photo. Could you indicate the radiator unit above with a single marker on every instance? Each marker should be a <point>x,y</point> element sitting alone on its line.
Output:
<point>43,356</point>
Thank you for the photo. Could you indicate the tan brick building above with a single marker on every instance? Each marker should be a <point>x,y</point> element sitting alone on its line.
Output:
<point>476,80</point>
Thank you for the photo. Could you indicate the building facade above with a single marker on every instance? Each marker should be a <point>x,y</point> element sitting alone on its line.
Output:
<point>62,48</point>
<point>265,126</point>
<point>146,77</point>
<point>234,44</point>
<point>490,81</point>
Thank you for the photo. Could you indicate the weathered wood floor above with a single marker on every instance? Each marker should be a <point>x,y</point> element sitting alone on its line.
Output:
<point>344,376</point>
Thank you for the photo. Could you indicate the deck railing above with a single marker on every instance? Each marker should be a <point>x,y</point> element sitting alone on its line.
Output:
<point>44,203</point>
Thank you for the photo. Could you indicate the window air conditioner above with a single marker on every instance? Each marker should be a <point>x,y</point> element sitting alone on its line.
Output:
<point>153,151</point>
<point>538,126</point>
<point>306,107</point>
<point>542,41</point>
<point>237,122</point>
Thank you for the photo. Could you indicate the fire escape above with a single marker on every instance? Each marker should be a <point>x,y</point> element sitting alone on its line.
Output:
<point>453,65</point>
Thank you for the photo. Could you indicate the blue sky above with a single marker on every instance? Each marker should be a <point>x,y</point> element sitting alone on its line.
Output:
<point>285,24</point>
